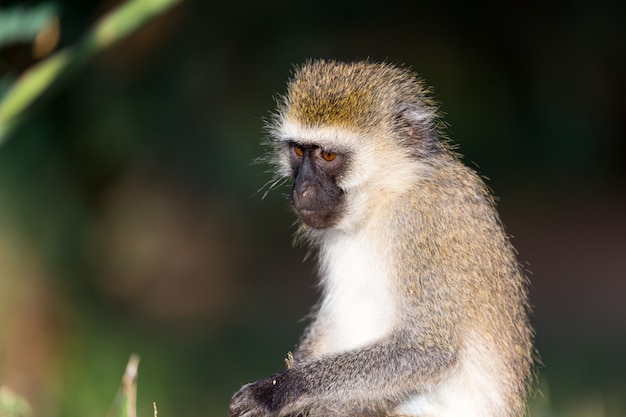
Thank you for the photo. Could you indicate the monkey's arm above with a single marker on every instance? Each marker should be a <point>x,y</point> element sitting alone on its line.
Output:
<point>365,378</point>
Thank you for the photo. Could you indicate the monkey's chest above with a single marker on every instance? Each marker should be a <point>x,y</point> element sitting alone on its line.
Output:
<point>358,307</point>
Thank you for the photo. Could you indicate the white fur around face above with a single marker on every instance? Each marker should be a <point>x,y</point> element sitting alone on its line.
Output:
<point>377,167</point>
<point>358,307</point>
<point>377,158</point>
<point>330,139</point>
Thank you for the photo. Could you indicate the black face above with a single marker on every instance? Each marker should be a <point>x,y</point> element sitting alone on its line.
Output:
<point>316,198</point>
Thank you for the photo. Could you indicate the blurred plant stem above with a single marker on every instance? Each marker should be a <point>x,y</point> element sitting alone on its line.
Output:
<point>39,79</point>
<point>125,404</point>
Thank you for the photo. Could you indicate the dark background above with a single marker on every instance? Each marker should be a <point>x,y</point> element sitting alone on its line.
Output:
<point>130,217</point>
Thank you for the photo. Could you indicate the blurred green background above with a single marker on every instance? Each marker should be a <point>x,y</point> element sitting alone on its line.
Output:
<point>130,217</point>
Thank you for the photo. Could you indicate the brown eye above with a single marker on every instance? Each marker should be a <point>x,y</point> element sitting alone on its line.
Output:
<point>328,156</point>
<point>298,150</point>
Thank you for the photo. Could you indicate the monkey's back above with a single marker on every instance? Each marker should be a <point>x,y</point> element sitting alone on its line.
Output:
<point>464,275</point>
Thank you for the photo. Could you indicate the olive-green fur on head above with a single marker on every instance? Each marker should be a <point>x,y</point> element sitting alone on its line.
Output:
<point>364,96</point>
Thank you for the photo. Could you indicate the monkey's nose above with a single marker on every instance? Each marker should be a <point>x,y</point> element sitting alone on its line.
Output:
<point>305,195</point>
<point>304,189</point>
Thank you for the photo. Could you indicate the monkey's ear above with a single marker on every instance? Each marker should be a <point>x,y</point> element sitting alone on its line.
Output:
<point>416,115</point>
<point>416,123</point>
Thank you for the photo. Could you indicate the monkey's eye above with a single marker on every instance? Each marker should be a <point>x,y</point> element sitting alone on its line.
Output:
<point>298,150</point>
<point>328,156</point>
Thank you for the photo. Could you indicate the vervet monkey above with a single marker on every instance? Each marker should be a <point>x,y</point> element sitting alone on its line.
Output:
<point>424,306</point>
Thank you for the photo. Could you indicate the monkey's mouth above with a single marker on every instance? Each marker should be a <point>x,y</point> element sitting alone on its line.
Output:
<point>317,208</point>
<point>317,219</point>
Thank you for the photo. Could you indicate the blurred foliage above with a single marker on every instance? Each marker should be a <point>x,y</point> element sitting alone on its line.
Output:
<point>12,405</point>
<point>21,24</point>
<point>130,219</point>
<point>110,29</point>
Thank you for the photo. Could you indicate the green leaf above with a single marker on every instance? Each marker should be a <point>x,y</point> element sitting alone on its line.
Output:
<point>39,79</point>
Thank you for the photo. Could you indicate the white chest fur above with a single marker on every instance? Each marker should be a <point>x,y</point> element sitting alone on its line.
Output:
<point>358,307</point>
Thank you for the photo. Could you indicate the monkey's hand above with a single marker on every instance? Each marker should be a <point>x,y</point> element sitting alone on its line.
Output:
<point>268,397</point>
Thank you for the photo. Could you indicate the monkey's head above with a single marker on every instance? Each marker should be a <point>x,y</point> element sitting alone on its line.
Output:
<point>348,134</point>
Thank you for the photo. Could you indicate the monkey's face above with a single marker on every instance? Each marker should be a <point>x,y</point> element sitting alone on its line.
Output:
<point>317,199</point>
<point>376,120</point>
